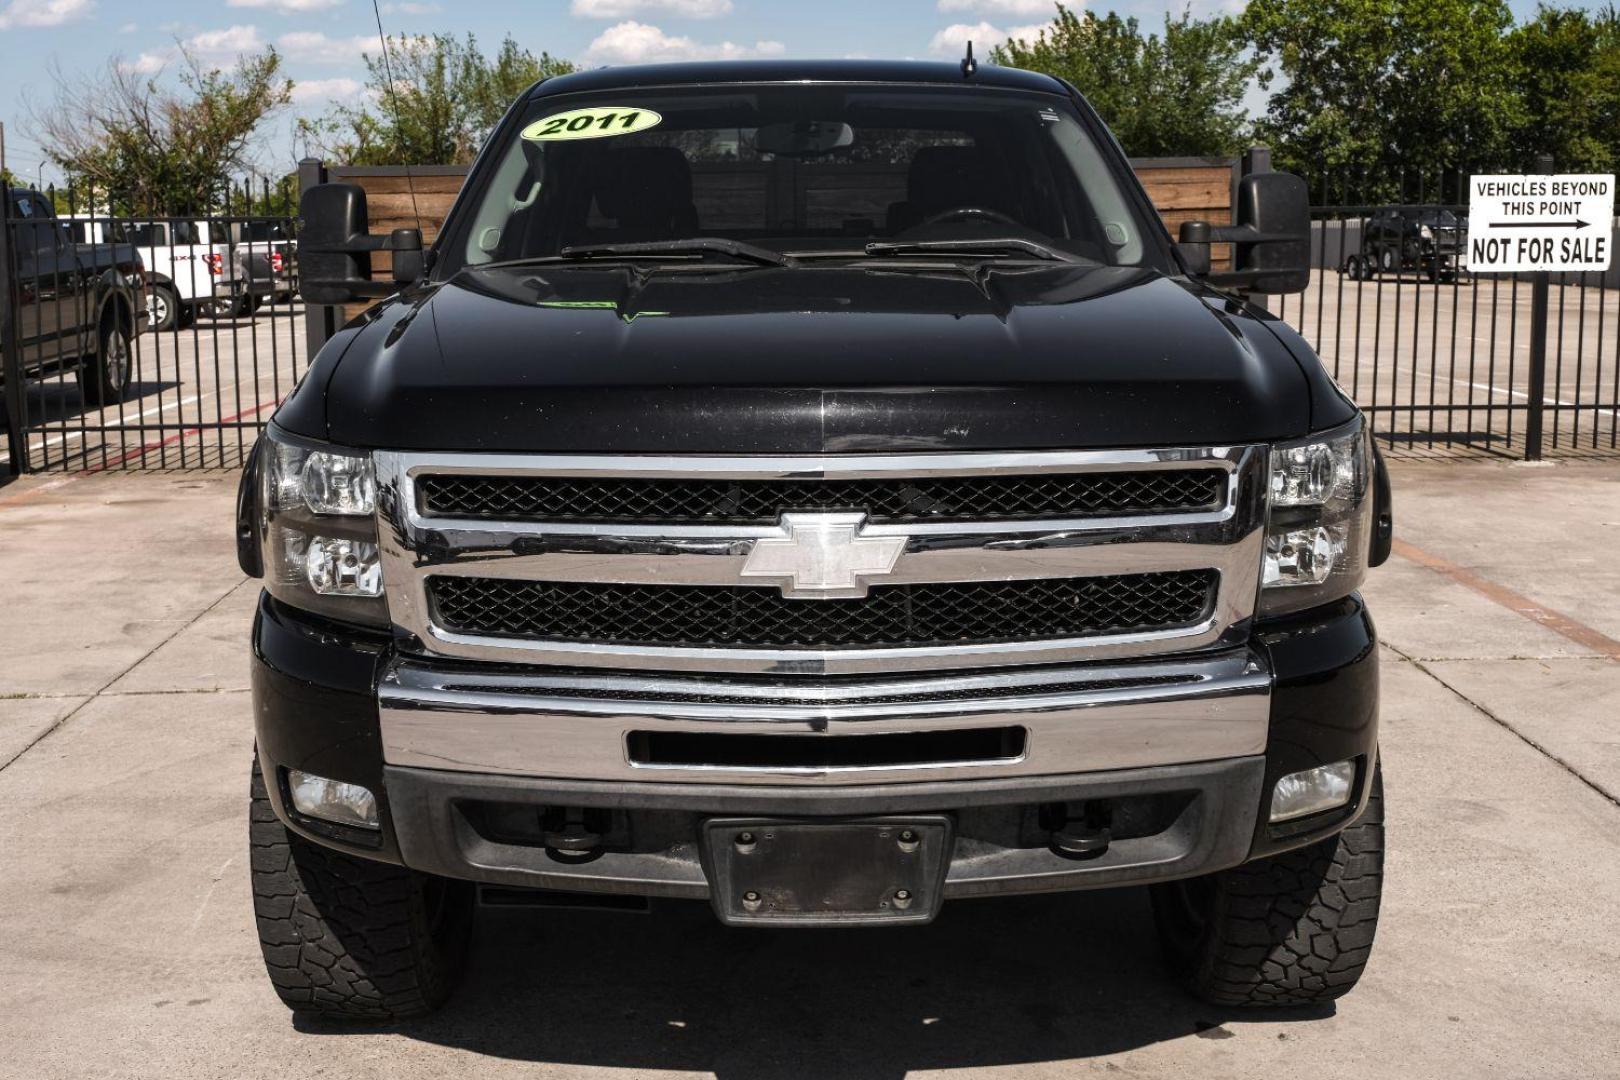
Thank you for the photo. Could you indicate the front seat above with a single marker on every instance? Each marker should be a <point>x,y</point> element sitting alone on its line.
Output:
<point>647,191</point>
<point>942,178</point>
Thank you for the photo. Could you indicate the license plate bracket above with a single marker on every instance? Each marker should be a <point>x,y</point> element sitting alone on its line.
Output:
<point>777,872</point>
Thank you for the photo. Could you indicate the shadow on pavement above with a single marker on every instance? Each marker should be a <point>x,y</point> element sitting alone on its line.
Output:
<point>992,982</point>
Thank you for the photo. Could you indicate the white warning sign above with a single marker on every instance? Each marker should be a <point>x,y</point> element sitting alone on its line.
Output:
<point>1556,223</point>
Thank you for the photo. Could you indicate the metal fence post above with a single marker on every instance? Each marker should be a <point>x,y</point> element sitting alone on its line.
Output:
<point>1539,298</point>
<point>320,321</point>
<point>10,348</point>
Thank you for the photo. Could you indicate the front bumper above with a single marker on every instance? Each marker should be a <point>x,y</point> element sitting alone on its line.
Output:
<point>1184,770</point>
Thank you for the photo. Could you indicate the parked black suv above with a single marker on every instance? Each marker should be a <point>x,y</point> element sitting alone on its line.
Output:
<point>821,489</point>
<point>1428,240</point>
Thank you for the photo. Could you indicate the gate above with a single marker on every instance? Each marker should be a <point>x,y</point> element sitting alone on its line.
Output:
<point>1444,361</point>
<point>177,370</point>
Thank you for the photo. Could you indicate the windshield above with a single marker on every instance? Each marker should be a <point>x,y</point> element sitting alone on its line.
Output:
<point>1445,219</point>
<point>810,171</point>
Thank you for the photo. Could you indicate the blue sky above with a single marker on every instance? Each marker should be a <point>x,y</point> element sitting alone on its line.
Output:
<point>323,40</point>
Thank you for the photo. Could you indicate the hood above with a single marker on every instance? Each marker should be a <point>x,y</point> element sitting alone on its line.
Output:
<point>812,360</point>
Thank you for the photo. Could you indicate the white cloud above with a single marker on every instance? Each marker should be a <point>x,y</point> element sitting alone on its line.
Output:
<point>232,41</point>
<point>149,63</point>
<point>38,13</point>
<point>286,7</point>
<point>212,47</point>
<point>129,28</point>
<point>1001,7</point>
<point>952,41</point>
<point>323,90</point>
<point>624,9</point>
<point>1030,32</point>
<point>637,43</point>
<point>314,47</point>
<point>411,7</point>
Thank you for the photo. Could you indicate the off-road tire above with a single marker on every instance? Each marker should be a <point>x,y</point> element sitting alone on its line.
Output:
<point>347,938</point>
<point>1292,929</point>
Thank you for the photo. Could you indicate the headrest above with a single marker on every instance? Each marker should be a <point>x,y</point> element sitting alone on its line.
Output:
<point>945,177</point>
<point>642,183</point>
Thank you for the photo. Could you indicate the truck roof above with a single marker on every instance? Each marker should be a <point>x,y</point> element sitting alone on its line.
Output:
<point>780,71</point>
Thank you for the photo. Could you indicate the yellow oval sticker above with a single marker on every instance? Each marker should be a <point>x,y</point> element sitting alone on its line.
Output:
<point>593,123</point>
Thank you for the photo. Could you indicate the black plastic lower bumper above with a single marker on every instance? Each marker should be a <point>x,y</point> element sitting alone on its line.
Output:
<point>315,698</point>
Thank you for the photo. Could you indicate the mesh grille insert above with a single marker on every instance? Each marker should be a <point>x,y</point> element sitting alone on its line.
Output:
<point>890,616</point>
<point>641,500</point>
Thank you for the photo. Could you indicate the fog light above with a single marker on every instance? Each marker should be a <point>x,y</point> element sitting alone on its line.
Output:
<point>1312,791</point>
<point>340,567</point>
<point>332,800</point>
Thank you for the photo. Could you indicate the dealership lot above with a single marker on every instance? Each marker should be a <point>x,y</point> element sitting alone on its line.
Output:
<point>1460,352</point>
<point>195,400</point>
<point>125,739</point>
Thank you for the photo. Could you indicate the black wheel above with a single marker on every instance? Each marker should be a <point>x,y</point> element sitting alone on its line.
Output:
<point>166,308</point>
<point>1387,262</point>
<point>346,938</point>
<point>1353,268</point>
<point>1294,929</point>
<point>230,307</point>
<point>104,377</point>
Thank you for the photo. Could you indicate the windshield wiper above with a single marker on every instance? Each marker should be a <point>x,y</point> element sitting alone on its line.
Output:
<point>697,245</point>
<point>1001,245</point>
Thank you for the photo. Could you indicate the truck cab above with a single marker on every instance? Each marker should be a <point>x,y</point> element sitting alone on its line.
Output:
<point>822,490</point>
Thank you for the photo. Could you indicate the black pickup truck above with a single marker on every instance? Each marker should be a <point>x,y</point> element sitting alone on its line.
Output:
<point>826,491</point>
<point>78,305</point>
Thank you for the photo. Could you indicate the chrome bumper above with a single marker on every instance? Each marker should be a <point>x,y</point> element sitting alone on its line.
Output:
<point>1075,719</point>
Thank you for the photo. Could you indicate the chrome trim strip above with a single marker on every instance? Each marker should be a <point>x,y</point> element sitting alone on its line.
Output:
<point>1193,709</point>
<point>414,546</point>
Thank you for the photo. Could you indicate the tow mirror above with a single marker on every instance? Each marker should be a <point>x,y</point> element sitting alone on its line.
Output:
<point>1271,241</point>
<point>334,248</point>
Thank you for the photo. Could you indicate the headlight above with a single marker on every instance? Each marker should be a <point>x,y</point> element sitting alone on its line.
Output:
<point>1425,232</point>
<point>318,529</point>
<point>1320,514</point>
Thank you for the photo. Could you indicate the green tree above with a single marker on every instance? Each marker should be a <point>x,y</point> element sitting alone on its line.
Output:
<point>1386,86</point>
<point>138,145</point>
<point>1180,93</point>
<point>1567,68</point>
<point>432,102</point>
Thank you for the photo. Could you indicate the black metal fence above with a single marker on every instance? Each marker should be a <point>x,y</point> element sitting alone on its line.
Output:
<point>174,361</point>
<point>1443,360</point>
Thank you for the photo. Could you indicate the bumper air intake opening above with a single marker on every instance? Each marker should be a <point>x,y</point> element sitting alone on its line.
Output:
<point>694,750</point>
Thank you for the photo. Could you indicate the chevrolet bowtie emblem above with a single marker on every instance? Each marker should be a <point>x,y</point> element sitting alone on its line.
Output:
<point>823,556</point>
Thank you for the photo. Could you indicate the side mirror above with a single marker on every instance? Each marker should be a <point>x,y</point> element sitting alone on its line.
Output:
<point>334,248</point>
<point>1271,240</point>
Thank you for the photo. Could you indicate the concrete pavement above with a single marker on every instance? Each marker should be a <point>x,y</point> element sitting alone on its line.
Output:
<point>126,934</point>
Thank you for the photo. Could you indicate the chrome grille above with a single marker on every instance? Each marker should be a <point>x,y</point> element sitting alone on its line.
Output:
<point>696,500</point>
<point>650,563</point>
<point>893,616</point>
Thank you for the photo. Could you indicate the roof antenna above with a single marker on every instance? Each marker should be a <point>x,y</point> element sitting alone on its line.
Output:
<point>969,65</point>
<point>393,96</point>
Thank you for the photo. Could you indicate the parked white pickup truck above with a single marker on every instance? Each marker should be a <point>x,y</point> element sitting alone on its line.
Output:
<point>194,267</point>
